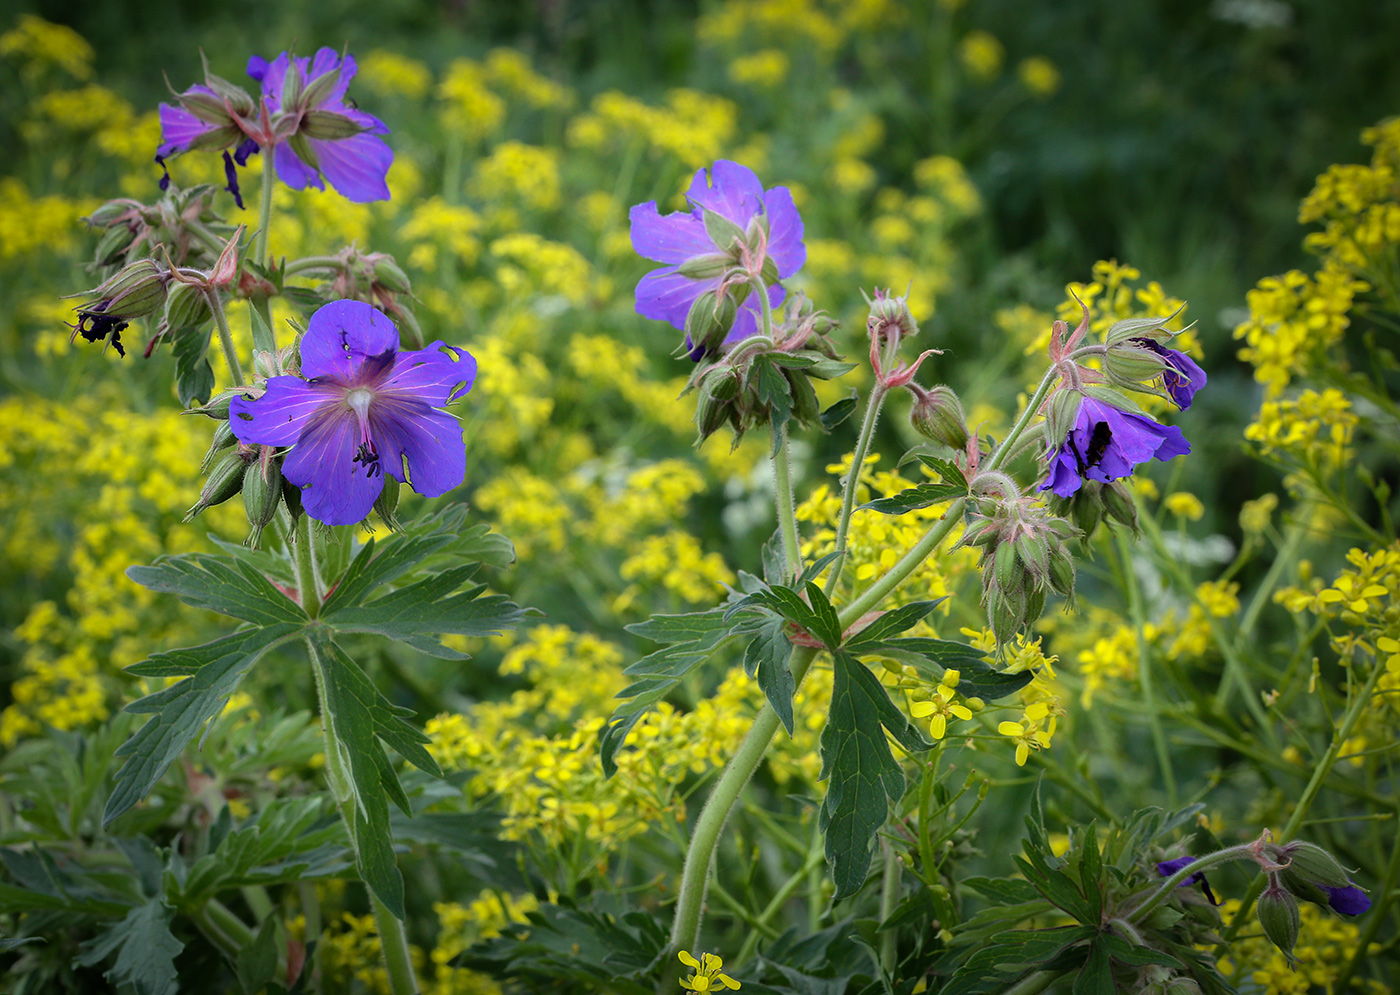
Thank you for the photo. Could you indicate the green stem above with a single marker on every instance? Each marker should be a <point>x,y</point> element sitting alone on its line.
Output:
<point>393,940</point>
<point>265,207</point>
<point>224,929</point>
<point>789,888</point>
<point>699,856</point>
<point>1167,887</point>
<point>787,516</point>
<point>1033,984</point>
<point>1353,714</point>
<point>314,262</point>
<point>907,564</point>
<point>889,899</point>
<point>1284,559</point>
<point>304,559</point>
<point>216,305</point>
<point>1027,416</point>
<point>1154,719</point>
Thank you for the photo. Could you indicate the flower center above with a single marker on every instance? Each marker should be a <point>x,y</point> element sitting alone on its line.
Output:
<point>359,400</point>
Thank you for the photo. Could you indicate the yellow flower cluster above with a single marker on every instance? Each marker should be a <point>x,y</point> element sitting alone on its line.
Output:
<point>470,108</point>
<point>798,23</point>
<point>1039,75</point>
<point>765,69</point>
<point>673,561</point>
<point>982,55</point>
<point>537,752</point>
<point>876,542</point>
<point>395,74</point>
<point>434,225</point>
<point>1293,320</point>
<point>1314,430</point>
<point>1325,944</point>
<point>693,127</point>
<point>38,45</point>
<point>516,173</point>
<point>30,225</point>
<point>120,481</point>
<point>1359,205</point>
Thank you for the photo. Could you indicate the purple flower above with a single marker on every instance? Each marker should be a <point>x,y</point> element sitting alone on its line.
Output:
<point>363,409</point>
<point>356,164</point>
<point>735,193</point>
<point>1182,376</point>
<point>1349,901</point>
<point>1106,443</point>
<point>1169,867</point>
<point>302,116</point>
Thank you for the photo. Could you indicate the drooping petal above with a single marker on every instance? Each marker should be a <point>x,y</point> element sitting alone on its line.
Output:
<point>295,173</point>
<point>431,375</point>
<point>335,489</point>
<point>672,238</point>
<point>430,441</point>
<point>341,336</point>
<point>278,417</point>
<point>356,166</point>
<point>733,191</point>
<point>1064,477</point>
<point>179,128</point>
<point>785,231</point>
<point>1182,376</point>
<point>665,295</point>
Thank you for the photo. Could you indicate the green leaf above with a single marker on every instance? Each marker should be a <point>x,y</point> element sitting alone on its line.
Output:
<point>1133,955</point>
<point>945,468</point>
<point>1091,870</point>
<point>818,618</point>
<point>991,967</point>
<point>891,624</point>
<point>913,498</point>
<point>263,339</point>
<point>212,673</point>
<point>42,885</point>
<point>931,657</point>
<point>194,377</point>
<point>691,639</point>
<point>864,779</point>
<point>839,412</point>
<point>775,394</point>
<point>1004,891</point>
<point>416,614</point>
<point>361,717</point>
<point>368,572</point>
<point>9,943</point>
<point>767,657</point>
<point>257,962</point>
<point>281,830</point>
<point>145,949</point>
<point>1096,976</point>
<point>221,584</point>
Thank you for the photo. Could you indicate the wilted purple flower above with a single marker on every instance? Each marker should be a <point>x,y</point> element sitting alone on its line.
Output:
<point>1105,444</point>
<point>733,192</point>
<point>1182,376</point>
<point>357,162</point>
<point>363,408</point>
<point>1169,867</point>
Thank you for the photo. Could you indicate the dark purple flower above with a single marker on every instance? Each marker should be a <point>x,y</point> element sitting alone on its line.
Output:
<point>1182,376</point>
<point>363,409</point>
<point>1169,867</point>
<point>1105,444</point>
<point>1349,901</point>
<point>732,191</point>
<point>355,164</point>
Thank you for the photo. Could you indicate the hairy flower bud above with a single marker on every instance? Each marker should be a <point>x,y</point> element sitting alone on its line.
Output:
<point>262,493</point>
<point>186,306</point>
<point>223,438</point>
<point>890,315</point>
<point>225,480</point>
<point>937,414</point>
<point>1278,915</point>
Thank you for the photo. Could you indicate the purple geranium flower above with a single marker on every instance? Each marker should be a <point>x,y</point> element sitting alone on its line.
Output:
<point>1182,376</point>
<point>1349,901</point>
<point>1106,443</point>
<point>1169,867</point>
<point>355,164</point>
<point>732,191</point>
<point>363,409</point>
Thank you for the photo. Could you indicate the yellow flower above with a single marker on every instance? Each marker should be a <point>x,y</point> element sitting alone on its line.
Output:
<point>1039,75</point>
<point>1185,505</point>
<point>707,976</point>
<point>941,705</point>
<point>982,54</point>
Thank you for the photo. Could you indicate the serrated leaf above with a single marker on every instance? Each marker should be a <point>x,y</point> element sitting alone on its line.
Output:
<point>257,962</point>
<point>1091,870</point>
<point>219,583</point>
<point>931,657</point>
<point>839,411</point>
<point>277,832</point>
<point>1134,955</point>
<point>360,717</point>
<point>863,777</point>
<point>263,339</point>
<point>993,966</point>
<point>818,618</point>
<point>827,622</point>
<point>181,710</point>
<point>945,468</point>
<point>194,377</point>
<point>420,612</point>
<point>891,624</point>
<point>691,639</point>
<point>367,571</point>
<point>916,497</point>
<point>1096,976</point>
<point>766,657</point>
<point>775,394</point>
<point>145,949</point>
<point>1003,891</point>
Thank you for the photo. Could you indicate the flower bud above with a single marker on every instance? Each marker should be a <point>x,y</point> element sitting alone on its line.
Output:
<point>1136,328</point>
<point>187,306</point>
<point>223,438</point>
<point>890,315</point>
<point>330,126</point>
<point>1310,861</point>
<point>386,506</point>
<point>262,493</point>
<point>1278,914</point>
<point>1130,365</point>
<point>113,245</point>
<point>709,322</point>
<point>388,275</point>
<point>225,480</point>
<point>136,290</point>
<point>705,267</point>
<point>937,414</point>
<point>1119,506</point>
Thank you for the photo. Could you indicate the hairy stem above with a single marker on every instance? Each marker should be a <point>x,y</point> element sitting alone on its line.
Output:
<point>787,516</point>
<point>216,305</point>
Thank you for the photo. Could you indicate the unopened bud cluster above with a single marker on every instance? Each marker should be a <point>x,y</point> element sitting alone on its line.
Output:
<point>1096,502</point>
<point>1023,560</point>
<point>759,376</point>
